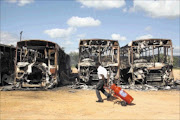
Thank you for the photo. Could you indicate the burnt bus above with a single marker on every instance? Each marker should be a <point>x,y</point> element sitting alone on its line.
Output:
<point>7,54</point>
<point>98,50</point>
<point>147,61</point>
<point>40,63</point>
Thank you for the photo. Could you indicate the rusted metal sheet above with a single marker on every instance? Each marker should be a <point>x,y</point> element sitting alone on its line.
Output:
<point>147,61</point>
<point>98,50</point>
<point>7,54</point>
<point>39,63</point>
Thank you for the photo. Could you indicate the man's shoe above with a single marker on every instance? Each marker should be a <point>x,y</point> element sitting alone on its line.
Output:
<point>101,101</point>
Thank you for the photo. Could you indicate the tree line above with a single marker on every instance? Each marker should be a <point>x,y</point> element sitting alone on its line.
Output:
<point>75,57</point>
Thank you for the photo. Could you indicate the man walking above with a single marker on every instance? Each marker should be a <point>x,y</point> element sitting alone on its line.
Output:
<point>102,75</point>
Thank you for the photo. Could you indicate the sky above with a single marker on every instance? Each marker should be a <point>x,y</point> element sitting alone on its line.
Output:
<point>67,21</point>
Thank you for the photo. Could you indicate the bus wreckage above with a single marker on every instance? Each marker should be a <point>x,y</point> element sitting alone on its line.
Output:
<point>7,54</point>
<point>98,50</point>
<point>147,61</point>
<point>40,63</point>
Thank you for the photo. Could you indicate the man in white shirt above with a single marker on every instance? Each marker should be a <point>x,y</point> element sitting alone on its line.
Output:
<point>102,75</point>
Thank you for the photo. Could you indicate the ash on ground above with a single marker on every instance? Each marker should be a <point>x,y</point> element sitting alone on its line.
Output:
<point>80,85</point>
<point>145,87</point>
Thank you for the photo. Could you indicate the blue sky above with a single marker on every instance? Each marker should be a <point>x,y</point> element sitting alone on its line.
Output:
<point>66,22</point>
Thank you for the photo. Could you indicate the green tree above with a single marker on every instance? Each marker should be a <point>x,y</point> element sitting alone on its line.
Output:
<point>176,61</point>
<point>74,58</point>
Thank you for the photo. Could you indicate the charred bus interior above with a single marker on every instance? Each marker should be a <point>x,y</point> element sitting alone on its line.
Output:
<point>147,61</point>
<point>7,54</point>
<point>98,50</point>
<point>40,63</point>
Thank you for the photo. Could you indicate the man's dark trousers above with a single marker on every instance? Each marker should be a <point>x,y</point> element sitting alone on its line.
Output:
<point>99,87</point>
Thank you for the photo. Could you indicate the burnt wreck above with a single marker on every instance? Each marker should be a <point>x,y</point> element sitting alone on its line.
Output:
<point>147,61</point>
<point>7,54</point>
<point>98,50</point>
<point>40,63</point>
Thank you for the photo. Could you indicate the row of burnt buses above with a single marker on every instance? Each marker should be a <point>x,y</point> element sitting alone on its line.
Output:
<point>39,63</point>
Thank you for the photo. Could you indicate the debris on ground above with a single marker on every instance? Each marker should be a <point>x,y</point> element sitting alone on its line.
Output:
<point>140,87</point>
<point>177,82</point>
<point>79,85</point>
<point>167,88</point>
<point>71,91</point>
<point>146,87</point>
<point>82,86</point>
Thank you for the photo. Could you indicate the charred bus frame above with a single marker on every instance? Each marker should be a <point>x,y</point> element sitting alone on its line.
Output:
<point>98,50</point>
<point>147,61</point>
<point>7,54</point>
<point>40,63</point>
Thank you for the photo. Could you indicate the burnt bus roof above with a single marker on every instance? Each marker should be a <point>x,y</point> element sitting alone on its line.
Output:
<point>7,46</point>
<point>97,39</point>
<point>38,43</point>
<point>152,41</point>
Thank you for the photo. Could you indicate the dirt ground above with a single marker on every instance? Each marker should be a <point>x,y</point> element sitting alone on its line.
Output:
<point>74,70</point>
<point>66,103</point>
<point>176,73</point>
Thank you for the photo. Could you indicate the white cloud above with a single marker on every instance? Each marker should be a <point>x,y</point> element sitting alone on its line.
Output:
<point>72,50</point>
<point>148,28</point>
<point>20,2</point>
<point>102,4</point>
<point>24,2</point>
<point>76,50</point>
<point>158,8</point>
<point>118,37</point>
<point>148,36</point>
<point>11,1</point>
<point>125,10</point>
<point>176,50</point>
<point>60,33</point>
<point>81,36</point>
<point>68,43</point>
<point>8,38</point>
<point>83,22</point>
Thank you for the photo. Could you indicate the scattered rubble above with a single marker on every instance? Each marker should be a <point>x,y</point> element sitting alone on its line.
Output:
<point>146,87</point>
<point>177,82</point>
<point>167,88</point>
<point>79,85</point>
<point>12,88</point>
<point>71,91</point>
<point>139,87</point>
